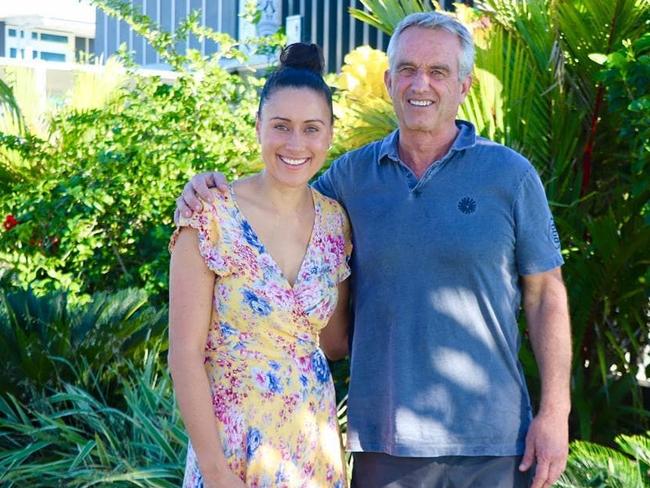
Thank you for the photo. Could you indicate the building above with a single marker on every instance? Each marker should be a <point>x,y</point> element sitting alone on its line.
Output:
<point>325,22</point>
<point>57,31</point>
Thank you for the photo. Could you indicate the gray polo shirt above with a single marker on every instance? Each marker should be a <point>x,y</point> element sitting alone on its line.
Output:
<point>436,295</point>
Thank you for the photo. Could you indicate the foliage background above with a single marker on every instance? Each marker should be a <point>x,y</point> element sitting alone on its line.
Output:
<point>83,263</point>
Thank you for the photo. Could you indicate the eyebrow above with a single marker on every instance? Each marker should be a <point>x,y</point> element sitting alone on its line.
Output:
<point>310,121</point>
<point>445,67</point>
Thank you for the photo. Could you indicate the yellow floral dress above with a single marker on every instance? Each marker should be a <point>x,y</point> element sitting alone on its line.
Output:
<point>272,391</point>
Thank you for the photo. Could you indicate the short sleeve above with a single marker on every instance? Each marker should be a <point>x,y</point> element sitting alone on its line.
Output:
<point>207,223</point>
<point>537,245</point>
<point>326,183</point>
<point>343,269</point>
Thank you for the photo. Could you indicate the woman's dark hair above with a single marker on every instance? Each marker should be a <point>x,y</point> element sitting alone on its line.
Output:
<point>301,66</point>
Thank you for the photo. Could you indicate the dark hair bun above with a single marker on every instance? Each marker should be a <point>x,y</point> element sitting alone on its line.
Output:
<point>303,56</point>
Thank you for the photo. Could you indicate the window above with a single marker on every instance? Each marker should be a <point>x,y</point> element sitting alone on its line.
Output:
<point>12,32</point>
<point>54,38</point>
<point>45,56</point>
<point>34,54</point>
<point>13,53</point>
<point>22,34</point>
<point>34,35</point>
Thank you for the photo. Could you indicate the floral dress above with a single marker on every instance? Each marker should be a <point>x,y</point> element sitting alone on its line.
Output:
<point>272,391</point>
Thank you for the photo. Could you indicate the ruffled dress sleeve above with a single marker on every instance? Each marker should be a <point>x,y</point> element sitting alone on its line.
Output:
<point>209,226</point>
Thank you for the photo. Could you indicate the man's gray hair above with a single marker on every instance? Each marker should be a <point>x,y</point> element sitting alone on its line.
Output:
<point>437,20</point>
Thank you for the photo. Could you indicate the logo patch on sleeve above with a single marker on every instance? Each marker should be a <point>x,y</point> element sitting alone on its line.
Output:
<point>555,237</point>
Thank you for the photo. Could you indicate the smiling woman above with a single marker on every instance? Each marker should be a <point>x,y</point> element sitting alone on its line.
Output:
<point>257,279</point>
<point>294,136</point>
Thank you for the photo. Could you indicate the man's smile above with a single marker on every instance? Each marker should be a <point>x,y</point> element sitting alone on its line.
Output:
<point>419,103</point>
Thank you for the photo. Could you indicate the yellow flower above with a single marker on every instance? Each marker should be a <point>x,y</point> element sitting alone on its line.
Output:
<point>362,75</point>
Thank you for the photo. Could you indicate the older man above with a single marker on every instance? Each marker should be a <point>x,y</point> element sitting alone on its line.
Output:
<point>450,231</point>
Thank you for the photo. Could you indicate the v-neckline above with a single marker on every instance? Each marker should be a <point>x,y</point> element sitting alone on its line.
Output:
<point>264,250</point>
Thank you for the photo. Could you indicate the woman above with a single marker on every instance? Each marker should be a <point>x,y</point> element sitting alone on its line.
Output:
<point>254,280</point>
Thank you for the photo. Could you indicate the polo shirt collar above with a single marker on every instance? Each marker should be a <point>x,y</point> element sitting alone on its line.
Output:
<point>465,139</point>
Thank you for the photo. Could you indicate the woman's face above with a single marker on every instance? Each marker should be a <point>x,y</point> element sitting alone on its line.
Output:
<point>294,130</point>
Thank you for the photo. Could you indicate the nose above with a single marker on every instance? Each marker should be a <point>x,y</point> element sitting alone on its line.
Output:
<point>294,140</point>
<point>420,80</point>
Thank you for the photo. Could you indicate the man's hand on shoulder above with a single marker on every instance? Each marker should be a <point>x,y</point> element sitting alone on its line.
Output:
<point>547,447</point>
<point>197,189</point>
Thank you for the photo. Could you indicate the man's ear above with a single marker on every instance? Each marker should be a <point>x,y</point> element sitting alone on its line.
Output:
<point>465,86</point>
<point>387,80</point>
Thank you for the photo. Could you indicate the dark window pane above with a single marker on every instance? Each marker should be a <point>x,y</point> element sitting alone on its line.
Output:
<point>12,32</point>
<point>13,53</point>
<point>45,56</point>
<point>34,35</point>
<point>54,38</point>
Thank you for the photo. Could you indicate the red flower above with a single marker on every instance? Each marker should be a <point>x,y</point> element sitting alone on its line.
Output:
<point>10,222</point>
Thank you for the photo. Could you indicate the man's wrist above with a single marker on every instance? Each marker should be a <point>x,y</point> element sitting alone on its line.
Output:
<point>555,409</point>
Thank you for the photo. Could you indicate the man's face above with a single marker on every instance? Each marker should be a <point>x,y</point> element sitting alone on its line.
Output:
<point>423,81</point>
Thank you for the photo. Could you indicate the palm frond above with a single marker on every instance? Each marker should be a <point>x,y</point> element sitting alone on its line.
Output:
<point>75,439</point>
<point>636,446</point>
<point>46,340</point>
<point>595,465</point>
<point>9,105</point>
<point>386,14</point>
<point>366,122</point>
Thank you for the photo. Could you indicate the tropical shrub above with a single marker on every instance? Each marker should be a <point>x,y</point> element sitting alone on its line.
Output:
<point>73,438</point>
<point>590,464</point>
<point>95,212</point>
<point>99,216</point>
<point>626,78</point>
<point>45,341</point>
<point>610,278</point>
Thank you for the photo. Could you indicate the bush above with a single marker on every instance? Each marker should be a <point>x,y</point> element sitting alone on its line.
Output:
<point>45,341</point>
<point>72,438</point>
<point>590,464</point>
<point>100,213</point>
<point>94,202</point>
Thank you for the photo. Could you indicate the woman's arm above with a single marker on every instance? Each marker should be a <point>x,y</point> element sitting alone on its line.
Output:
<point>334,337</point>
<point>191,288</point>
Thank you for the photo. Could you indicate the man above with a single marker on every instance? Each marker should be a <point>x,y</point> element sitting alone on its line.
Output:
<point>450,231</point>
